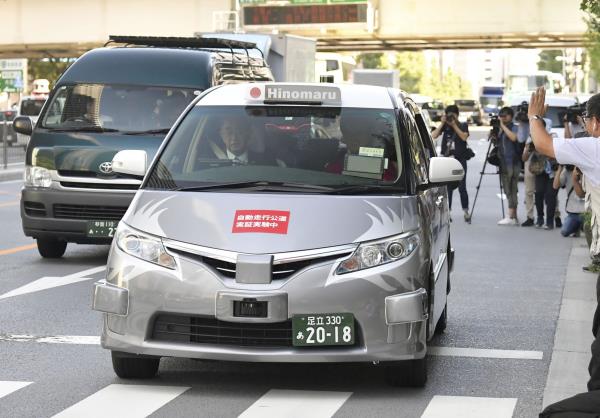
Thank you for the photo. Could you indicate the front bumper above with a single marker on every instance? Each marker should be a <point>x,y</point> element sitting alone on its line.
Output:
<point>389,303</point>
<point>38,212</point>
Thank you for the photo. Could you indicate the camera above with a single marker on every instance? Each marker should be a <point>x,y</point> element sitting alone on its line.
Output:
<point>495,124</point>
<point>573,111</point>
<point>450,118</point>
<point>522,111</point>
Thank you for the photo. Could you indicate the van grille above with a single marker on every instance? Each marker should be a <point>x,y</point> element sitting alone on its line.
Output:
<point>209,330</point>
<point>280,271</point>
<point>36,209</point>
<point>108,213</point>
<point>104,186</point>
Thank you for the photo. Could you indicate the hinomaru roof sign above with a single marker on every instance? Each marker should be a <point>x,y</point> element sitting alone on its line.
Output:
<point>312,94</point>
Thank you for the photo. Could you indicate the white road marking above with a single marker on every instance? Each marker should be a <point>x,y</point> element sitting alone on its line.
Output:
<point>501,196</point>
<point>7,387</point>
<point>469,407</point>
<point>296,404</point>
<point>52,339</point>
<point>51,282</point>
<point>485,353</point>
<point>11,181</point>
<point>131,401</point>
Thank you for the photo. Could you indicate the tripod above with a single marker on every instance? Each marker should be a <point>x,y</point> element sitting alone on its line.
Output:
<point>481,174</point>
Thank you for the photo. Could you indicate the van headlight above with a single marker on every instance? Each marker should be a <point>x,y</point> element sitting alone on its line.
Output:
<point>37,177</point>
<point>376,253</point>
<point>144,246</point>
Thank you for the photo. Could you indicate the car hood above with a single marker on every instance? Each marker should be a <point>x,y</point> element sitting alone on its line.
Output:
<point>82,153</point>
<point>309,221</point>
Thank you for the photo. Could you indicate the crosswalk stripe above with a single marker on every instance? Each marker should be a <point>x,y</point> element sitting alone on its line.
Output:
<point>8,387</point>
<point>485,353</point>
<point>127,401</point>
<point>296,404</point>
<point>50,282</point>
<point>469,407</point>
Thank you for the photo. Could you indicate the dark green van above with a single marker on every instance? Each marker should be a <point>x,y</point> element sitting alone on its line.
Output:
<point>111,99</point>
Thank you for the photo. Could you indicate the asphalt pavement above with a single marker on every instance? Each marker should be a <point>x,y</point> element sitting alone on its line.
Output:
<point>492,361</point>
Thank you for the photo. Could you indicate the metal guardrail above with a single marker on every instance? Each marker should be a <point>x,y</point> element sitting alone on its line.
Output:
<point>13,145</point>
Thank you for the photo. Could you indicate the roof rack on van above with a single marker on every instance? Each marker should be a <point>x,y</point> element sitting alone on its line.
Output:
<point>185,42</point>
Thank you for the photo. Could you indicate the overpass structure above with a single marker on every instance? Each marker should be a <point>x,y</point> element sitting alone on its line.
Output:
<point>60,28</point>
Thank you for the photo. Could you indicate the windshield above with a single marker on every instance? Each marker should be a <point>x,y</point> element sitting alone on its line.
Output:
<point>116,108</point>
<point>31,107</point>
<point>310,146</point>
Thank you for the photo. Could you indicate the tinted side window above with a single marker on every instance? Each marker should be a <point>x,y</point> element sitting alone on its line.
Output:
<point>418,155</point>
<point>425,136</point>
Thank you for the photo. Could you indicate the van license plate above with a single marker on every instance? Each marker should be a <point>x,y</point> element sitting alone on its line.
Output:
<point>323,329</point>
<point>101,229</point>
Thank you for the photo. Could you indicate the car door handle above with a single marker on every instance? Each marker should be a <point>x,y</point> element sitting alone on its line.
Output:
<point>439,201</point>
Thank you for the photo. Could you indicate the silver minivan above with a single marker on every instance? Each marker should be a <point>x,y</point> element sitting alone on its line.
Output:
<point>284,223</point>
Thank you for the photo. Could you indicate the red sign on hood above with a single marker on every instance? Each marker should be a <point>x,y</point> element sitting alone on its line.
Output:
<point>257,220</point>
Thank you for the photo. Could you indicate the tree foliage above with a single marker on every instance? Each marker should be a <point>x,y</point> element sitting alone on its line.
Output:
<point>592,10</point>
<point>370,60</point>
<point>548,61</point>
<point>48,68</point>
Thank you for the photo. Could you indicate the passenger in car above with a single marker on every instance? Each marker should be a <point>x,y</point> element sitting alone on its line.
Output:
<point>358,132</point>
<point>236,148</point>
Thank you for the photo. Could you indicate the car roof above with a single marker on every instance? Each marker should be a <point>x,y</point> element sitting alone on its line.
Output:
<point>352,95</point>
<point>551,100</point>
<point>171,67</point>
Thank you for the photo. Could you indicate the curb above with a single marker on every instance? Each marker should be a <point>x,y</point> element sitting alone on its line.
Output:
<point>568,373</point>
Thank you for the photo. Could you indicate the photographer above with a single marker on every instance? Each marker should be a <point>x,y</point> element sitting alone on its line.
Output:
<point>573,122</point>
<point>454,143</point>
<point>510,162</point>
<point>582,152</point>
<point>569,177</point>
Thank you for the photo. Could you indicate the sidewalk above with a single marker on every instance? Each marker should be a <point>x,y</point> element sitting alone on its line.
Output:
<point>568,373</point>
<point>13,172</point>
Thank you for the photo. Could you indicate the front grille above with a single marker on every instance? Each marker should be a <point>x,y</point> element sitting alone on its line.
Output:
<point>280,271</point>
<point>208,330</point>
<point>109,213</point>
<point>34,209</point>
<point>104,186</point>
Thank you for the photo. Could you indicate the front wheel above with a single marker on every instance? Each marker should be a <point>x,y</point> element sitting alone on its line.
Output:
<point>129,367</point>
<point>51,248</point>
<point>408,373</point>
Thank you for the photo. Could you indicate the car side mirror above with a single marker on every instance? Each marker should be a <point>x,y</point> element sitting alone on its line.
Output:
<point>445,170</point>
<point>23,125</point>
<point>130,162</point>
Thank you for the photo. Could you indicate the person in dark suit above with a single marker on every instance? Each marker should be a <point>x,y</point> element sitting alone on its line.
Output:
<point>233,146</point>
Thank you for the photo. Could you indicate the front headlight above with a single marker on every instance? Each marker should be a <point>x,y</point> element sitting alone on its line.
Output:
<point>376,253</point>
<point>37,177</point>
<point>144,246</point>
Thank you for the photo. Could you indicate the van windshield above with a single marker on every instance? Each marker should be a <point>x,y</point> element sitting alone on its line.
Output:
<point>304,146</point>
<point>128,109</point>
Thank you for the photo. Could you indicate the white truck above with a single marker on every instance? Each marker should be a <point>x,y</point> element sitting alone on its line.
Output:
<point>375,77</point>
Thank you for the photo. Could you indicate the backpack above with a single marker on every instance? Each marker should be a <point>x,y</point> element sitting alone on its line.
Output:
<point>537,163</point>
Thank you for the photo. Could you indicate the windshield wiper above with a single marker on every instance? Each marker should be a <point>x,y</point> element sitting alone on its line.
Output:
<point>265,185</point>
<point>364,188</point>
<point>90,128</point>
<point>148,132</point>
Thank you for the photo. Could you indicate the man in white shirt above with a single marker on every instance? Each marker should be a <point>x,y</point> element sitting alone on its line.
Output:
<point>584,153</point>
